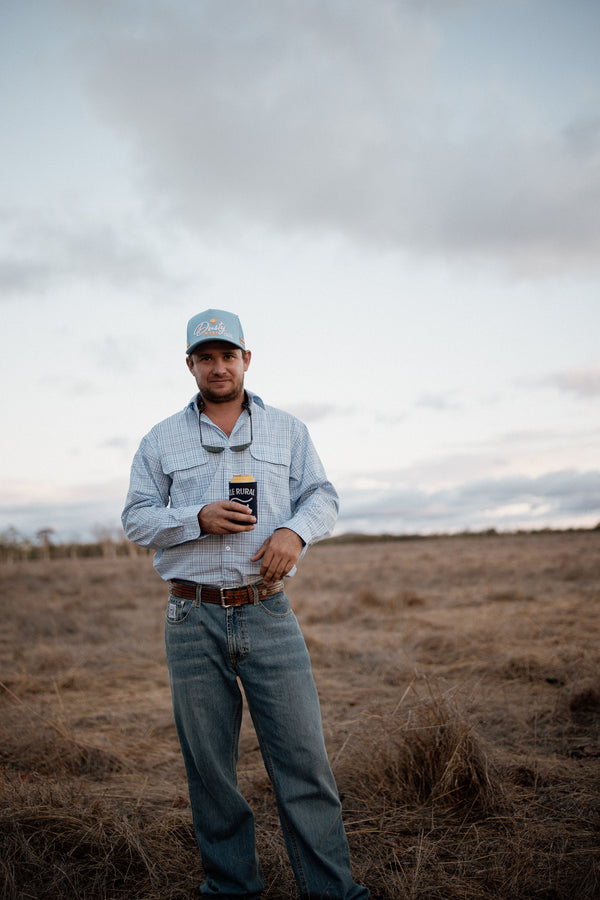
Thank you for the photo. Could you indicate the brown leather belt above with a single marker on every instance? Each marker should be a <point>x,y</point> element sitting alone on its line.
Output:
<point>238,596</point>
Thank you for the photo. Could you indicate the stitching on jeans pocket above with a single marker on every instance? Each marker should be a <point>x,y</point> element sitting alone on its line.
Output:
<point>277,606</point>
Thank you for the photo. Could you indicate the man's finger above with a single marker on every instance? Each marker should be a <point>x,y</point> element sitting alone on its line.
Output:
<point>260,552</point>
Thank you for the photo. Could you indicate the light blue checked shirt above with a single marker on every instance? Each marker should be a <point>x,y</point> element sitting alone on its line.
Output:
<point>173,477</point>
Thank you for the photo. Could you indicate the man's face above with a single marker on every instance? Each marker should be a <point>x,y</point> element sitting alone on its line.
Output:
<point>218,368</point>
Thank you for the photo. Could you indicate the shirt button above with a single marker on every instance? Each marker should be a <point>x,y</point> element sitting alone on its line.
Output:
<point>228,548</point>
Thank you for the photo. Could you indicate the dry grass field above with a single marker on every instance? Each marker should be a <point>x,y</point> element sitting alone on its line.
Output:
<point>460,686</point>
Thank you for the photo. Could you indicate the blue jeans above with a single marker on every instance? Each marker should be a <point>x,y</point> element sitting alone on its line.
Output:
<point>208,649</point>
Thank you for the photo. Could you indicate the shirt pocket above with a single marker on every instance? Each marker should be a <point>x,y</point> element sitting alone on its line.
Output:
<point>272,472</point>
<point>190,474</point>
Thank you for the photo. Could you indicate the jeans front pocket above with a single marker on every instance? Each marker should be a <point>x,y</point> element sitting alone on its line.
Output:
<point>277,606</point>
<point>178,610</point>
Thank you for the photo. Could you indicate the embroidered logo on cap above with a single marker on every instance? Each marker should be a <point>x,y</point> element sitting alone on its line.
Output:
<point>214,328</point>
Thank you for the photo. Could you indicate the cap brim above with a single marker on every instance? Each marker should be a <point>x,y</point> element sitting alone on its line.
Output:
<point>212,340</point>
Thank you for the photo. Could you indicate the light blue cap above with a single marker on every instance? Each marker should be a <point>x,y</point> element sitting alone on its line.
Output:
<point>214,325</point>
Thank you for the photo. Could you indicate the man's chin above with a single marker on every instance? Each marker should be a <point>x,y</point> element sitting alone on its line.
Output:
<point>225,396</point>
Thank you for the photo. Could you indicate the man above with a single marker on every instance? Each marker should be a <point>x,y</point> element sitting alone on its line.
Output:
<point>228,617</point>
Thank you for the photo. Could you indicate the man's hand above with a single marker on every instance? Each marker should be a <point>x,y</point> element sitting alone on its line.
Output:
<point>225,517</point>
<point>279,554</point>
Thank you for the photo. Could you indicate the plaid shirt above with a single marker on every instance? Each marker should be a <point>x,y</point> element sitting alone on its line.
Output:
<point>173,477</point>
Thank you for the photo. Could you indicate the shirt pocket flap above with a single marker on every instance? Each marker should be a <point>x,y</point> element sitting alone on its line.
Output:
<point>270,453</point>
<point>183,459</point>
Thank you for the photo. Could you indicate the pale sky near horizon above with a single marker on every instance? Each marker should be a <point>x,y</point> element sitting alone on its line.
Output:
<point>400,199</point>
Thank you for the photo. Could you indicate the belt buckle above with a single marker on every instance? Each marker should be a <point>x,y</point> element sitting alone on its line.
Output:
<point>223,604</point>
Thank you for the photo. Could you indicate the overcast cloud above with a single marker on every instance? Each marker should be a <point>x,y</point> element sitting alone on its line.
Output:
<point>584,382</point>
<point>317,115</point>
<point>40,254</point>
<point>504,503</point>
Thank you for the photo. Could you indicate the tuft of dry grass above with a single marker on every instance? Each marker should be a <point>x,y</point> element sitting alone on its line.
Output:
<point>428,752</point>
<point>434,812</point>
<point>58,842</point>
<point>51,753</point>
<point>584,702</point>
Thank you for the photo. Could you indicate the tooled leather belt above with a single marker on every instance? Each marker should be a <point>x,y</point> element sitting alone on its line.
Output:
<point>237,596</point>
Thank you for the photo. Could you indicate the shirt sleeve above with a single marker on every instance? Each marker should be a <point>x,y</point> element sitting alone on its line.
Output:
<point>148,519</point>
<point>314,500</point>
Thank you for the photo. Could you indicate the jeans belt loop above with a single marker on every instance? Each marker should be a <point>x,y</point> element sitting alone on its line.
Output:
<point>256,595</point>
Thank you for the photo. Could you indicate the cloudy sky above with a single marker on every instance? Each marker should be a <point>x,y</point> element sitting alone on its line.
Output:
<point>400,198</point>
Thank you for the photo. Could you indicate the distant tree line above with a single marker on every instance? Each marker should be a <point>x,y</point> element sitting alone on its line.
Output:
<point>15,546</point>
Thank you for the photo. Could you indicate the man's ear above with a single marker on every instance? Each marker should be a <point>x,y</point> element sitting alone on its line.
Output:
<point>189,362</point>
<point>247,358</point>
